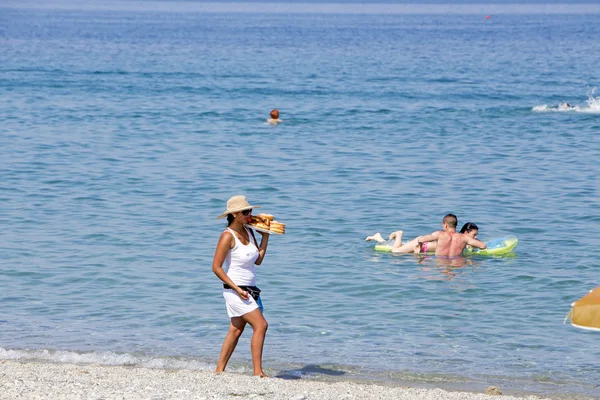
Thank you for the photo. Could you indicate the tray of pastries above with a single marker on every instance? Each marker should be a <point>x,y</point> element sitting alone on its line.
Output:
<point>266,223</point>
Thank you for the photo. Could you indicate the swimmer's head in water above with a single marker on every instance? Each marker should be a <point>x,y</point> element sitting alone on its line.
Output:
<point>450,220</point>
<point>470,229</point>
<point>275,114</point>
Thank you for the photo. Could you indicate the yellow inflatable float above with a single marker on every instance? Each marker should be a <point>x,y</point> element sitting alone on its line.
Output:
<point>585,312</point>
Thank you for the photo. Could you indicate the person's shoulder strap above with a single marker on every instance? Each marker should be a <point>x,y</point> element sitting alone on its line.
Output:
<point>232,233</point>
<point>253,237</point>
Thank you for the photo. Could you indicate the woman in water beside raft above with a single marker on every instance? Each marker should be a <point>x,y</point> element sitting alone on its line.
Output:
<point>239,251</point>
<point>470,230</point>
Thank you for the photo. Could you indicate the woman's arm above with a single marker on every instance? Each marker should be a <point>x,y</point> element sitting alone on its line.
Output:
<point>476,243</point>
<point>226,243</point>
<point>262,249</point>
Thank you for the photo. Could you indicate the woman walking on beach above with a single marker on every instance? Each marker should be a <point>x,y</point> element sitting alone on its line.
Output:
<point>238,251</point>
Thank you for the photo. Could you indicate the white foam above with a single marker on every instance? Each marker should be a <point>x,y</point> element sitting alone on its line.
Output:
<point>593,103</point>
<point>558,108</point>
<point>541,108</point>
<point>104,358</point>
<point>592,106</point>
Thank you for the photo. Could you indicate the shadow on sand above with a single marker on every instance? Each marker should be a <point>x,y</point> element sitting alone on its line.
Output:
<point>310,369</point>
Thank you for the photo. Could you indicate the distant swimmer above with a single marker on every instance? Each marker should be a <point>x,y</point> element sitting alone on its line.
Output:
<point>450,243</point>
<point>564,106</point>
<point>274,120</point>
<point>413,246</point>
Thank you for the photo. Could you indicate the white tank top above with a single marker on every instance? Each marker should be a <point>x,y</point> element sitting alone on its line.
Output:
<point>239,262</point>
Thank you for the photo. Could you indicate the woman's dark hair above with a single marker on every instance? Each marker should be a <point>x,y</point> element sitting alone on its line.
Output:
<point>230,219</point>
<point>468,227</point>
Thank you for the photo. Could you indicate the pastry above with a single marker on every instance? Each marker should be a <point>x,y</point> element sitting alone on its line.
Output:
<point>266,222</point>
<point>259,222</point>
<point>277,227</point>
<point>266,217</point>
<point>261,225</point>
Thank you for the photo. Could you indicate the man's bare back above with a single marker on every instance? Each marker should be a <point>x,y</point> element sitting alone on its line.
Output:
<point>449,242</point>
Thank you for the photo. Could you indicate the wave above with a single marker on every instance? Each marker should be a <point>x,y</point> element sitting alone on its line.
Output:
<point>106,358</point>
<point>592,105</point>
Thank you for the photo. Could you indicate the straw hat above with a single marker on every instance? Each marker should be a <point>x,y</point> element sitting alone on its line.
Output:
<point>236,204</point>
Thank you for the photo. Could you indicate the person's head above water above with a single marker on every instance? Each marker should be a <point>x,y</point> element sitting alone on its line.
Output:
<point>450,220</point>
<point>470,229</point>
<point>275,114</point>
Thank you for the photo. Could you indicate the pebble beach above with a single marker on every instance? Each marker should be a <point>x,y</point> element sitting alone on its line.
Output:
<point>30,380</point>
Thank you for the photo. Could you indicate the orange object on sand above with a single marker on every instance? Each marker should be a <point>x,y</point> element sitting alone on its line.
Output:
<point>585,312</point>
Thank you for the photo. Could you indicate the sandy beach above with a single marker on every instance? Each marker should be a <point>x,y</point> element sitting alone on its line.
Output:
<point>31,380</point>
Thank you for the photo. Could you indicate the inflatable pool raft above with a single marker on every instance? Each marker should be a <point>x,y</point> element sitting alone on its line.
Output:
<point>495,247</point>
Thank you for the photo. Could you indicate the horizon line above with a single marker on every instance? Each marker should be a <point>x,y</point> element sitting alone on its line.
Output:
<point>270,7</point>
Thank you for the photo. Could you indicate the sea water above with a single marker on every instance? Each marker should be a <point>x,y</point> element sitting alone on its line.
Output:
<point>124,130</point>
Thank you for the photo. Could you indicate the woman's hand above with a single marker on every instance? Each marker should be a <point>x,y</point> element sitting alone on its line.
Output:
<point>242,293</point>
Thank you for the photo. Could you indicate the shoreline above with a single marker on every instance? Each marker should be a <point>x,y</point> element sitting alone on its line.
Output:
<point>48,380</point>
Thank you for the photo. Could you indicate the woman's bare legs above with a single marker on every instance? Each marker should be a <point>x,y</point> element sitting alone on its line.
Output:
<point>397,237</point>
<point>259,326</point>
<point>398,247</point>
<point>376,237</point>
<point>235,331</point>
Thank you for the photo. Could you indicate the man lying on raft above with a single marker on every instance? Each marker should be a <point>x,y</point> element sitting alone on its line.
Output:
<point>447,243</point>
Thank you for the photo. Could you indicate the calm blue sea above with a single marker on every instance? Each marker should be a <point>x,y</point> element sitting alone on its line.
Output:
<point>124,130</point>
